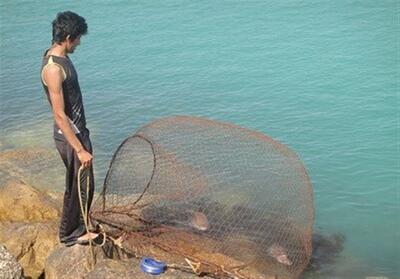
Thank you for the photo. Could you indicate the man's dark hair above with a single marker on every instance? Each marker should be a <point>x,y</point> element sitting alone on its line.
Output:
<point>68,23</point>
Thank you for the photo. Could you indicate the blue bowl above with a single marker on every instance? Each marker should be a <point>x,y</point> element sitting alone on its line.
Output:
<point>152,266</point>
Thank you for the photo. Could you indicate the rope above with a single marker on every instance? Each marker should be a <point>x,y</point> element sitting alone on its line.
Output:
<point>85,215</point>
<point>84,211</point>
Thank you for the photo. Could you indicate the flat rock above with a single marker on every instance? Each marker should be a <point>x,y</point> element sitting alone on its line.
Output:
<point>110,269</point>
<point>75,262</point>
<point>72,262</point>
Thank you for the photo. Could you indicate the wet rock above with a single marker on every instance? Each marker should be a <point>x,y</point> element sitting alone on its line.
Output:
<point>34,166</point>
<point>22,202</point>
<point>9,267</point>
<point>326,248</point>
<point>30,243</point>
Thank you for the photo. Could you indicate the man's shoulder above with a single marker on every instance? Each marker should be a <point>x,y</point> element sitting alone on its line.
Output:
<point>53,69</point>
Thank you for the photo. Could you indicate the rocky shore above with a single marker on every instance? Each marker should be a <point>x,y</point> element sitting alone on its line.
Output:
<point>29,217</point>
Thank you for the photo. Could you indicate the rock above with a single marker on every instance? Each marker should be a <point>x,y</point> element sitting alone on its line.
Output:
<point>326,249</point>
<point>30,243</point>
<point>27,203</point>
<point>70,262</point>
<point>74,262</point>
<point>9,267</point>
<point>40,167</point>
<point>29,217</point>
<point>110,269</point>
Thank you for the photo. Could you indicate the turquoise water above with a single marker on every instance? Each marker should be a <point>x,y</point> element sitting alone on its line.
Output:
<point>321,77</point>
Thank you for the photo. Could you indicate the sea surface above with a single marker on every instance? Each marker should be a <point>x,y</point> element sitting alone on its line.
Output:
<point>319,76</point>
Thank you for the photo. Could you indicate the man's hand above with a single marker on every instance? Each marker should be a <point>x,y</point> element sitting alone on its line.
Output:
<point>85,158</point>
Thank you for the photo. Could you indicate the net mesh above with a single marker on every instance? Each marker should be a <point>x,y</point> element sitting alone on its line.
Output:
<point>212,196</point>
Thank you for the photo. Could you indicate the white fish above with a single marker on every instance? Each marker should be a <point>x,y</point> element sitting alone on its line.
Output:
<point>199,221</point>
<point>280,254</point>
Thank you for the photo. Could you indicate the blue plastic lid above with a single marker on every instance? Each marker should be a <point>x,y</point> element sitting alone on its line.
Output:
<point>152,266</point>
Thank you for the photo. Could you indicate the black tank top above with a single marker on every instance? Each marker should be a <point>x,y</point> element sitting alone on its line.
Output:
<point>71,92</point>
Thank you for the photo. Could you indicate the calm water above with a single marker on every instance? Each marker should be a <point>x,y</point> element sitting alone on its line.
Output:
<point>321,77</point>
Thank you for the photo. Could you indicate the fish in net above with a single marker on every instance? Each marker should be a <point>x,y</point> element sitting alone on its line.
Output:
<point>210,197</point>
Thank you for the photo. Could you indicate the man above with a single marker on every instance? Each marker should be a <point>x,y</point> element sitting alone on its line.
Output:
<point>60,83</point>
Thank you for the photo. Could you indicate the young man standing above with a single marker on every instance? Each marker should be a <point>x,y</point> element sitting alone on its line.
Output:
<point>60,83</point>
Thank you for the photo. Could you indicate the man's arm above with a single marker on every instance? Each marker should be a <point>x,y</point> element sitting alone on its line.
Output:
<point>53,77</point>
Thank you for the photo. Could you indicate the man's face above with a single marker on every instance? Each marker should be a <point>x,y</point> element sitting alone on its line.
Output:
<point>71,45</point>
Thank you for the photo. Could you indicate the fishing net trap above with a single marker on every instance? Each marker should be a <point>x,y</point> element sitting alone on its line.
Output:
<point>209,197</point>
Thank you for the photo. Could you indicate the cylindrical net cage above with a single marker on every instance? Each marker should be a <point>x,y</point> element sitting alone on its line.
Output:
<point>226,200</point>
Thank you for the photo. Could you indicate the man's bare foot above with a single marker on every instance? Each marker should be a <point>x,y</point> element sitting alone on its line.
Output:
<point>88,236</point>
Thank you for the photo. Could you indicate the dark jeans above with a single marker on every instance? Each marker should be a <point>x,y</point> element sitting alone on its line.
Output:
<point>72,224</point>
